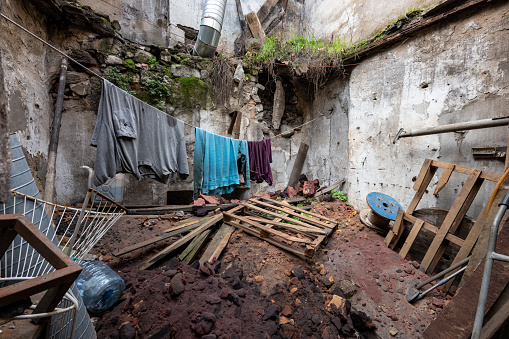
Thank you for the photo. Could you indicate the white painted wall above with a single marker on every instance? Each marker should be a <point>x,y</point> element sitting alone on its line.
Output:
<point>355,20</point>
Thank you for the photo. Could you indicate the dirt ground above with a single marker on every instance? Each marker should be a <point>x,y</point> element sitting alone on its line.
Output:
<point>257,290</point>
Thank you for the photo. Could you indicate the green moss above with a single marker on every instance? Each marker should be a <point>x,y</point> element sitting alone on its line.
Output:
<point>129,63</point>
<point>189,92</point>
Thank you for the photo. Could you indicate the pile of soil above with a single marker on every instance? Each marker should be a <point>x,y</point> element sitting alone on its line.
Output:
<point>215,301</point>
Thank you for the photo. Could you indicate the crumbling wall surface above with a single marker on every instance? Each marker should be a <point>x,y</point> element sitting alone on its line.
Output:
<point>453,72</point>
<point>166,15</point>
<point>355,20</point>
<point>26,78</point>
<point>327,158</point>
<point>5,153</point>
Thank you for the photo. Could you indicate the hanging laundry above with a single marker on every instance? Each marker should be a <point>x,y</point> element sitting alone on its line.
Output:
<point>134,137</point>
<point>260,158</point>
<point>215,163</point>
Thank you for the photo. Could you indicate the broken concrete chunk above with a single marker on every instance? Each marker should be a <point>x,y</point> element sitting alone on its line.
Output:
<point>256,99</point>
<point>182,71</point>
<point>279,105</point>
<point>239,73</point>
<point>113,60</point>
<point>260,86</point>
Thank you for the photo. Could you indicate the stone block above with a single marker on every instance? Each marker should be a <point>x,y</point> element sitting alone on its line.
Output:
<point>182,71</point>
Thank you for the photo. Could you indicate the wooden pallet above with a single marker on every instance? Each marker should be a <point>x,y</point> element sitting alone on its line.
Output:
<point>295,230</point>
<point>445,233</point>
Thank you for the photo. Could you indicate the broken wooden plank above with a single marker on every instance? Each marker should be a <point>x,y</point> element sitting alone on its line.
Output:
<point>444,178</point>
<point>396,232</point>
<point>275,214</point>
<point>257,233</point>
<point>411,238</point>
<point>166,209</point>
<point>272,22</point>
<point>429,172</point>
<point>453,219</point>
<point>307,230</point>
<point>422,174</point>
<point>298,164</point>
<point>169,233</point>
<point>269,229</point>
<point>265,10</point>
<point>192,249</point>
<point>457,222</point>
<point>255,26</point>
<point>285,204</point>
<point>187,223</point>
<point>165,252</point>
<point>465,170</point>
<point>217,244</point>
<point>299,214</point>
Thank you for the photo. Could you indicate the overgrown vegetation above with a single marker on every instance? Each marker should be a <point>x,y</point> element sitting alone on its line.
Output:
<point>119,79</point>
<point>316,58</point>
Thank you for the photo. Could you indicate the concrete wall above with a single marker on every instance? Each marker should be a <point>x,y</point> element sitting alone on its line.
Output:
<point>354,20</point>
<point>453,72</point>
<point>167,14</point>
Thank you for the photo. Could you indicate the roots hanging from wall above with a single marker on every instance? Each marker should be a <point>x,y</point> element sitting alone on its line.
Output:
<point>222,81</point>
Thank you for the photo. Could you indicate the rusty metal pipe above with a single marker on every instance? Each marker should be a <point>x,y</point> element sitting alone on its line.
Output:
<point>461,126</point>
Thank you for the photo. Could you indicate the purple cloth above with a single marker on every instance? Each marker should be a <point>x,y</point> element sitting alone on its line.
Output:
<point>260,158</point>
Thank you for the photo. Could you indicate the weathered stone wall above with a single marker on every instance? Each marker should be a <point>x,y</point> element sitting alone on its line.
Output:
<point>452,72</point>
<point>5,154</point>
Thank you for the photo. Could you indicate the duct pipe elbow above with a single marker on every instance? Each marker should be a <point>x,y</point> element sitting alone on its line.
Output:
<point>210,28</point>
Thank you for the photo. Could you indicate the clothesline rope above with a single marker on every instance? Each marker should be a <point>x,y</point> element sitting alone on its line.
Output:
<point>104,79</point>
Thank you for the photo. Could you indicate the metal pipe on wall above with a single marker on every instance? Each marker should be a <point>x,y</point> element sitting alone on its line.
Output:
<point>210,28</point>
<point>461,126</point>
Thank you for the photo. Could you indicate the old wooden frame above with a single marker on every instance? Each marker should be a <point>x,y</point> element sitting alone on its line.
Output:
<point>56,283</point>
<point>265,219</point>
<point>445,233</point>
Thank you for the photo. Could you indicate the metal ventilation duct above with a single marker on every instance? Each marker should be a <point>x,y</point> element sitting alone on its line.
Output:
<point>210,28</point>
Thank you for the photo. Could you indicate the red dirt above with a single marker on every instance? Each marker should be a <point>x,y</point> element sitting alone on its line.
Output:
<point>353,253</point>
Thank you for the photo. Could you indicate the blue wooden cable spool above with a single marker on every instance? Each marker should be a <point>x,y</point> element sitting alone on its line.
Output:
<point>382,209</point>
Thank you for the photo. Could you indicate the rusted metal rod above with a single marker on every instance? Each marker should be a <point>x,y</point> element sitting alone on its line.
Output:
<point>49,188</point>
<point>461,126</point>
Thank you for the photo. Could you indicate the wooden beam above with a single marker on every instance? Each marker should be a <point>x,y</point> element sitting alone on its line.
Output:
<point>168,250</point>
<point>192,249</point>
<point>217,244</point>
<point>453,218</point>
<point>298,164</point>
<point>255,26</point>
<point>286,204</point>
<point>444,178</point>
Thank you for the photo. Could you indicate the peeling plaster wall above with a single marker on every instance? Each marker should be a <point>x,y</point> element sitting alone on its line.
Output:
<point>354,20</point>
<point>167,14</point>
<point>453,72</point>
<point>27,69</point>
